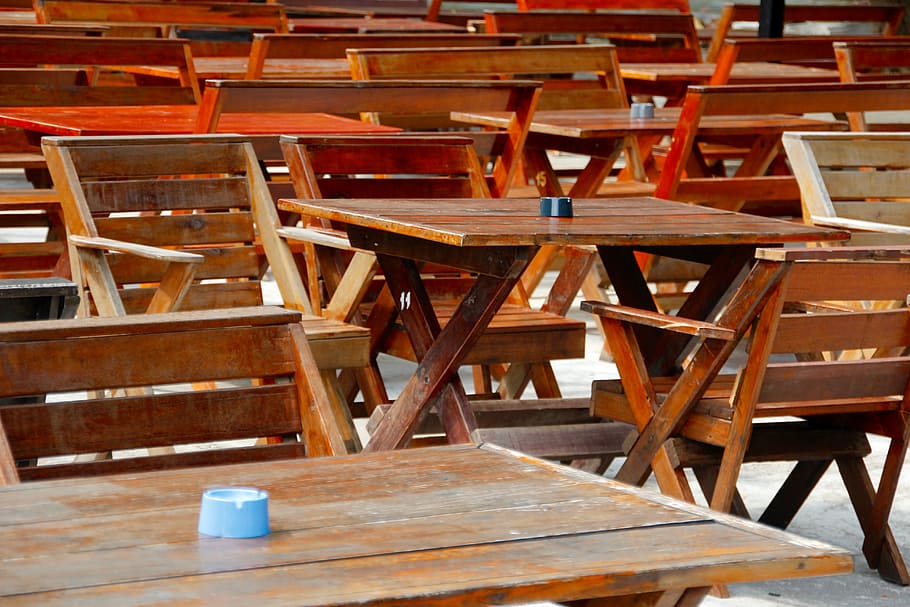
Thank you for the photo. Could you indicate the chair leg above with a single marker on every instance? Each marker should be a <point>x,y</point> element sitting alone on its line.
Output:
<point>889,562</point>
<point>793,493</point>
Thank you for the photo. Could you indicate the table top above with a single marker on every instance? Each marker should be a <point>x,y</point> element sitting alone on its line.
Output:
<point>172,120</point>
<point>632,221</point>
<point>617,122</point>
<point>368,25</point>
<point>435,526</point>
<point>234,68</point>
<point>747,72</point>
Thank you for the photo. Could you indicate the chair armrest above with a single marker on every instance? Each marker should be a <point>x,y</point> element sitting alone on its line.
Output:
<point>860,224</point>
<point>108,244</point>
<point>316,236</point>
<point>658,320</point>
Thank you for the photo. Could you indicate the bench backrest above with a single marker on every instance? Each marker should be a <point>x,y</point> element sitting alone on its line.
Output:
<point>809,51</point>
<point>639,36</point>
<point>95,53</point>
<point>885,16</point>
<point>755,100</point>
<point>183,193</point>
<point>32,235</point>
<point>590,5</point>
<point>247,15</point>
<point>334,46</point>
<point>855,181</point>
<point>267,387</point>
<point>588,74</point>
<point>868,60</point>
<point>414,105</point>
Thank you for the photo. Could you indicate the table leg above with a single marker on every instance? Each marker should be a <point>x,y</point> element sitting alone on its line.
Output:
<point>439,352</point>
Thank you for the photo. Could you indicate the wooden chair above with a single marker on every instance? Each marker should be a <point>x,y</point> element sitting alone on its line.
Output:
<point>878,60</point>
<point>886,17</point>
<point>410,104</point>
<point>814,407</point>
<point>206,15</point>
<point>267,47</point>
<point>854,181</point>
<point>162,223</point>
<point>267,386</point>
<point>421,166</point>
<point>32,235</point>
<point>639,36</point>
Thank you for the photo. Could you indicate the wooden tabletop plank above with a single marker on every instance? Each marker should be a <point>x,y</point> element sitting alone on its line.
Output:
<point>632,221</point>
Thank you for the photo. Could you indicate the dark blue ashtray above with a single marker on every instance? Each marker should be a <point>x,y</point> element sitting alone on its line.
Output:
<point>555,206</point>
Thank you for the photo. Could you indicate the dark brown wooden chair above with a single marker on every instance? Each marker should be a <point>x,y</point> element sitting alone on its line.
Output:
<point>794,398</point>
<point>165,223</point>
<point>267,386</point>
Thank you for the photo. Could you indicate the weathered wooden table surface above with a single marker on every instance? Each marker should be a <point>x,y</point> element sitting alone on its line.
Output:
<point>457,525</point>
<point>496,239</point>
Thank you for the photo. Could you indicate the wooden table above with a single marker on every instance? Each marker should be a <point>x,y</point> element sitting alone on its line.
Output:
<point>171,120</point>
<point>496,239</point>
<point>365,25</point>
<point>600,134</point>
<point>463,525</point>
<point>671,79</point>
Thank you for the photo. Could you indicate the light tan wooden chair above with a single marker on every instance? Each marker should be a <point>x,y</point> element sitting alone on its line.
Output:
<point>165,223</point>
<point>854,181</point>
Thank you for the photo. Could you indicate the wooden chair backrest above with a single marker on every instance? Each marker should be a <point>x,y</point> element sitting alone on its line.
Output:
<point>259,356</point>
<point>888,16</point>
<point>47,29</point>
<point>333,46</point>
<point>747,100</point>
<point>247,15</point>
<point>458,12</point>
<point>414,105</point>
<point>809,51</point>
<point>803,321</point>
<point>85,52</point>
<point>677,5</point>
<point>656,36</point>
<point>32,235</point>
<point>868,60</point>
<point>854,181</point>
<point>189,193</point>
<point>594,69</point>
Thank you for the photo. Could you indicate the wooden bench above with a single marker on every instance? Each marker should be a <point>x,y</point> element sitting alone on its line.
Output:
<point>267,386</point>
<point>409,104</point>
<point>163,223</point>
<point>886,17</point>
<point>807,314</point>
<point>267,47</point>
<point>639,36</point>
<point>245,15</point>
<point>854,181</point>
<point>592,5</point>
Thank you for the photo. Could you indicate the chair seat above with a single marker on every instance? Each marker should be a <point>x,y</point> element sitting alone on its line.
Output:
<point>336,344</point>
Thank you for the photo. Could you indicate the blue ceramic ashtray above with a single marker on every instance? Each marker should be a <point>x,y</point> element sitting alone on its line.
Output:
<point>555,206</point>
<point>235,512</point>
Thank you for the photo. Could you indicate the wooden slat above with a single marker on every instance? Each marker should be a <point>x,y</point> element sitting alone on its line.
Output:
<point>199,297</point>
<point>170,157</point>
<point>810,381</point>
<point>881,183</point>
<point>91,362</point>
<point>186,230</point>
<point>149,421</point>
<point>228,262</point>
<point>167,194</point>
<point>849,281</point>
<point>804,333</point>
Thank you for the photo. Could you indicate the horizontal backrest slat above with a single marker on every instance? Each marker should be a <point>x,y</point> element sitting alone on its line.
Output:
<point>893,212</point>
<point>329,46</point>
<point>90,50</point>
<point>36,95</point>
<point>816,381</point>
<point>223,262</point>
<point>165,159</point>
<point>122,361</point>
<point>167,194</point>
<point>861,184</point>
<point>849,281</point>
<point>194,416</point>
<point>802,98</point>
<point>200,297</point>
<point>180,229</point>
<point>834,331</point>
<point>861,150</point>
<point>449,187</point>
